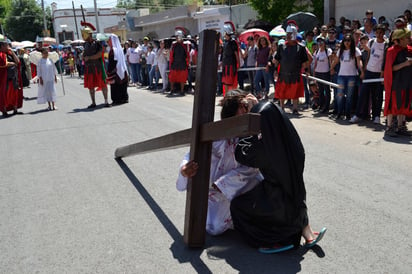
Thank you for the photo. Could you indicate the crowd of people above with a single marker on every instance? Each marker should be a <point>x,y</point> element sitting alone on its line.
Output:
<point>265,202</point>
<point>347,63</point>
<point>351,55</point>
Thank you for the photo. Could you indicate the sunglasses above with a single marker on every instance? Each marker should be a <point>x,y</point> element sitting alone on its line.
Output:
<point>332,32</point>
<point>347,40</point>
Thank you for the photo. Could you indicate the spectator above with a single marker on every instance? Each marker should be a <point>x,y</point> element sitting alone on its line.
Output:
<point>262,59</point>
<point>251,52</point>
<point>150,59</point>
<point>192,66</point>
<point>309,41</point>
<point>133,59</point>
<point>331,41</point>
<point>408,17</point>
<point>368,28</point>
<point>374,65</point>
<point>154,71</point>
<point>324,31</point>
<point>350,62</point>
<point>369,15</point>
<point>162,62</point>
<point>322,71</point>
<point>339,29</point>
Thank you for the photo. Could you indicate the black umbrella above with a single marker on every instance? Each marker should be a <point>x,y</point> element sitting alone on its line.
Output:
<point>259,24</point>
<point>305,20</point>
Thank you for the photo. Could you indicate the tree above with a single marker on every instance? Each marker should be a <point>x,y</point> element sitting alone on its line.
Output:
<point>275,11</point>
<point>24,21</point>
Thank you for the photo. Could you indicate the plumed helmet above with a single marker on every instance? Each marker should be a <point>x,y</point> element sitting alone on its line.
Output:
<point>292,30</point>
<point>229,28</point>
<point>180,32</point>
<point>87,30</point>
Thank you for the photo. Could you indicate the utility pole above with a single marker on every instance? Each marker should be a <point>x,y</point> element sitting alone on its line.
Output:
<point>75,21</point>
<point>45,32</point>
<point>97,19</point>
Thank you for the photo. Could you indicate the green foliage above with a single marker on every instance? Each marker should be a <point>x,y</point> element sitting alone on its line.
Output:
<point>24,21</point>
<point>4,8</point>
<point>275,11</point>
<point>318,9</point>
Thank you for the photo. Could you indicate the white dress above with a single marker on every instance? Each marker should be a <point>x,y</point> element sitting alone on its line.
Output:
<point>47,71</point>
<point>230,177</point>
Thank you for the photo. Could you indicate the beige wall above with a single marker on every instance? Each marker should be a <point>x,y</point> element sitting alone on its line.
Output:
<point>355,9</point>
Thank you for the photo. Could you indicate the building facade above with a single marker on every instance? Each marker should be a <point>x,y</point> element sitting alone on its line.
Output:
<point>66,22</point>
<point>355,9</point>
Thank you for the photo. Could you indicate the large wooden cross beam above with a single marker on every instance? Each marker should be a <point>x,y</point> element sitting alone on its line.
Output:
<point>200,137</point>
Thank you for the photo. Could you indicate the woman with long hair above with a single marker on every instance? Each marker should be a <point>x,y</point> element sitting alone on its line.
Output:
<point>349,58</point>
<point>262,59</point>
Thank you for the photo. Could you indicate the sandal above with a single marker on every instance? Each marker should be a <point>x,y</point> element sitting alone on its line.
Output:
<point>319,237</point>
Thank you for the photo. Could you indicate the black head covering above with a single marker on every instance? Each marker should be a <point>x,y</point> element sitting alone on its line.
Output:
<point>283,158</point>
<point>275,210</point>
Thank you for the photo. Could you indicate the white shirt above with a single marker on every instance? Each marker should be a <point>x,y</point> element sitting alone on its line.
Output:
<point>376,56</point>
<point>251,56</point>
<point>150,57</point>
<point>161,56</point>
<point>133,55</point>
<point>322,60</point>
<point>230,177</point>
<point>347,64</point>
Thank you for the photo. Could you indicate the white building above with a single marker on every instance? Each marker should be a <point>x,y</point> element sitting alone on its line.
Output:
<point>355,9</point>
<point>66,23</point>
<point>193,18</point>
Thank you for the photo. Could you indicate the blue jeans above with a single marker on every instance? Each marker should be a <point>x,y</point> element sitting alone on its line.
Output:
<point>139,73</point>
<point>133,68</point>
<point>259,75</point>
<point>345,94</point>
<point>154,73</point>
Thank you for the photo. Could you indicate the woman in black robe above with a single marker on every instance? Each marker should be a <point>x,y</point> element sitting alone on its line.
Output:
<point>117,72</point>
<point>273,215</point>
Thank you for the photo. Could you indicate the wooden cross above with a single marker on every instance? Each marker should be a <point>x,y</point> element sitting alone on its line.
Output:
<point>200,137</point>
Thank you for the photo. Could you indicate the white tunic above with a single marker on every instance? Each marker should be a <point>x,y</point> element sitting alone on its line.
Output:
<point>230,177</point>
<point>47,71</point>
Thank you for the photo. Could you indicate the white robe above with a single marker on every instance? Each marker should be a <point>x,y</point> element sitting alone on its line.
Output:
<point>47,71</point>
<point>230,177</point>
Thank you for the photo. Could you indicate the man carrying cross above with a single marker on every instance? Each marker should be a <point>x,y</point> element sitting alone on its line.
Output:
<point>228,178</point>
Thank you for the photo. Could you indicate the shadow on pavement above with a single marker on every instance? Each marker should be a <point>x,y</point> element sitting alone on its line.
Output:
<point>228,246</point>
<point>86,109</point>
<point>182,253</point>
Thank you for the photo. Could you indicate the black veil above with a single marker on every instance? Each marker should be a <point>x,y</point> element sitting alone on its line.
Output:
<point>274,212</point>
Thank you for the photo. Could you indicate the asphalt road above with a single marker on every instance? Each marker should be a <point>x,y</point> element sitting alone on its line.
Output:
<point>67,206</point>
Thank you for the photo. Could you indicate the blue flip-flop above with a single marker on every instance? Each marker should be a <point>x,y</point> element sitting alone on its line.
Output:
<point>274,250</point>
<point>317,240</point>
